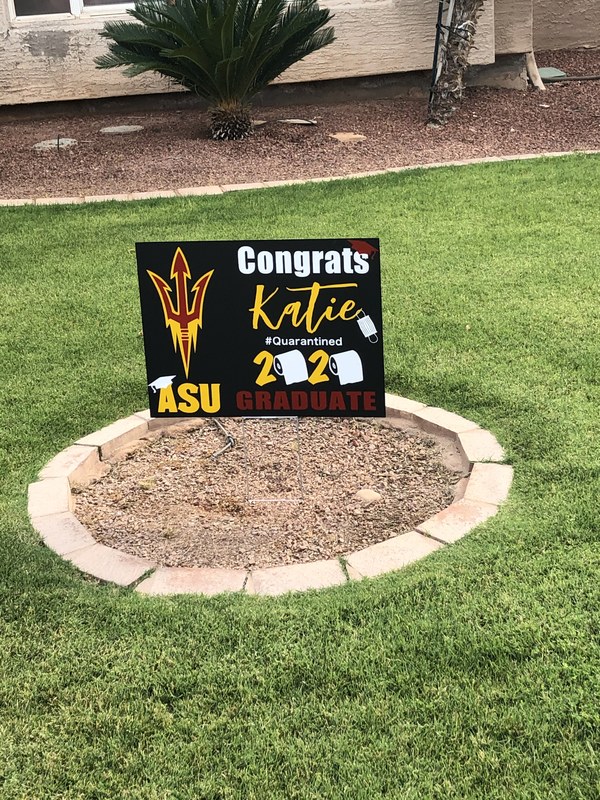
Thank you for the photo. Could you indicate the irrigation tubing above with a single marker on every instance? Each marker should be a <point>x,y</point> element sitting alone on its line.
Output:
<point>572,78</point>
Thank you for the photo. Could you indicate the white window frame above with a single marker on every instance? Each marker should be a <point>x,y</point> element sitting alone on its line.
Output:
<point>78,10</point>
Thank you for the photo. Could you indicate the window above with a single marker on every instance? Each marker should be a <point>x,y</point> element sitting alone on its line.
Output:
<point>25,8</point>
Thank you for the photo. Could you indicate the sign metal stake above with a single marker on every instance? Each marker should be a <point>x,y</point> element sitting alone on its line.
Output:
<point>229,439</point>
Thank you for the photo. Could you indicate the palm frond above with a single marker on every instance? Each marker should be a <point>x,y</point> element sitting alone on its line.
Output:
<point>223,50</point>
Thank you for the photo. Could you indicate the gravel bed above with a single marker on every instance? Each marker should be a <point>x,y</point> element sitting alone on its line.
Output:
<point>287,493</point>
<point>173,149</point>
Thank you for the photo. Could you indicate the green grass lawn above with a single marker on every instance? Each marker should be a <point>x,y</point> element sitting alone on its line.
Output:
<point>472,674</point>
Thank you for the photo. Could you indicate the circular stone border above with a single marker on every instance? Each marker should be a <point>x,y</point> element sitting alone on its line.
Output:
<point>51,504</point>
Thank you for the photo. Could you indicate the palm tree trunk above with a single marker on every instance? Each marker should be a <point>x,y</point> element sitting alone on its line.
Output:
<point>230,120</point>
<point>448,89</point>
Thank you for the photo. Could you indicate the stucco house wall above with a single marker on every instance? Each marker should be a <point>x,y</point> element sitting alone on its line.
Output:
<point>566,24</point>
<point>51,57</point>
<point>513,26</point>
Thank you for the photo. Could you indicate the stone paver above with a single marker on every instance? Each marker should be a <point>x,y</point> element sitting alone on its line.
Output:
<point>59,143</point>
<point>109,565</point>
<point>289,182</point>
<point>347,136</point>
<point>63,533</point>
<point>460,487</point>
<point>198,191</point>
<point>193,580</point>
<point>151,195</point>
<point>453,522</point>
<point>6,201</point>
<point>480,445</point>
<point>367,174</point>
<point>101,198</point>
<point>115,435</point>
<point>50,496</point>
<point>61,201</point>
<point>121,129</point>
<point>156,423</point>
<point>489,483</point>
<point>438,420</point>
<point>295,578</point>
<point>402,406</point>
<point>79,463</point>
<point>176,426</point>
<point>390,555</point>
<point>238,187</point>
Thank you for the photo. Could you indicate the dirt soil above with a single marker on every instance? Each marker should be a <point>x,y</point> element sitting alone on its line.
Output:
<point>286,493</point>
<point>173,149</point>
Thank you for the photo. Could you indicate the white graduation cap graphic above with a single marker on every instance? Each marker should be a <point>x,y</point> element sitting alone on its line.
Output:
<point>161,383</point>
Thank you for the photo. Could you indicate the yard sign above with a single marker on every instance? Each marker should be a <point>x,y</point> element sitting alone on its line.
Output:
<point>262,328</point>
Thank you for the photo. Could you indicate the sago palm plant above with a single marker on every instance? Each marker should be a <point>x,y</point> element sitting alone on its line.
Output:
<point>222,50</point>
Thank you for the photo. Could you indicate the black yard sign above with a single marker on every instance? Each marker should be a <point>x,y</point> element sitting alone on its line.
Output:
<point>262,328</point>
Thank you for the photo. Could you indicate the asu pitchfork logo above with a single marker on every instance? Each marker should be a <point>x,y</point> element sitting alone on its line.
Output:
<point>184,319</point>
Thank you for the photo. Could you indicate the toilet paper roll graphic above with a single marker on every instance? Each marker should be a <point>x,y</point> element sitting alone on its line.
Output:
<point>292,366</point>
<point>347,366</point>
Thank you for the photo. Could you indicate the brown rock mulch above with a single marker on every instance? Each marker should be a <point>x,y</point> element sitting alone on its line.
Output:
<point>173,149</point>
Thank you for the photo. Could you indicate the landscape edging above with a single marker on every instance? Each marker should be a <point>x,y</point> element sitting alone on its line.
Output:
<point>197,191</point>
<point>51,505</point>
